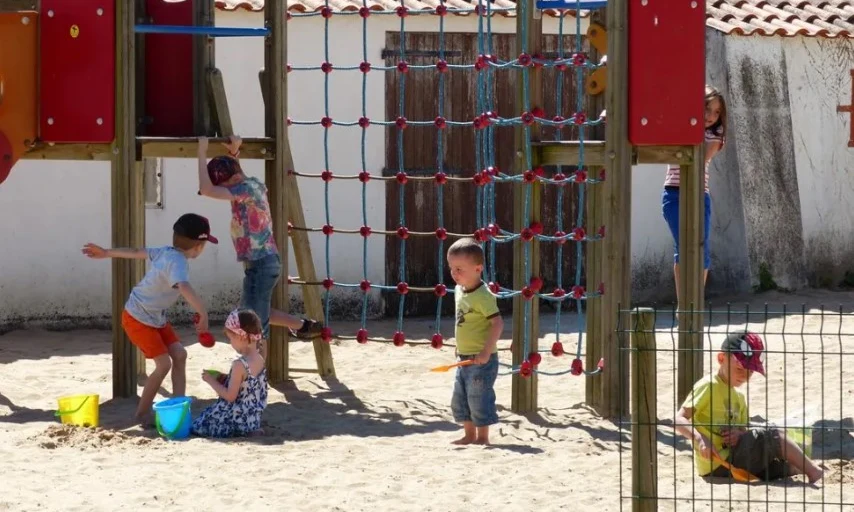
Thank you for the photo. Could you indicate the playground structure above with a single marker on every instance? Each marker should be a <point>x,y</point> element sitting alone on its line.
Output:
<point>121,113</point>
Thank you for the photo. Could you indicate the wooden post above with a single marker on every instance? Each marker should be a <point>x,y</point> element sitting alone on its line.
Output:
<point>691,280</point>
<point>302,255</point>
<point>139,166</point>
<point>524,389</point>
<point>204,59</point>
<point>644,412</point>
<point>594,255</point>
<point>275,172</point>
<point>616,271</point>
<point>128,206</point>
<point>219,103</point>
<point>595,263</point>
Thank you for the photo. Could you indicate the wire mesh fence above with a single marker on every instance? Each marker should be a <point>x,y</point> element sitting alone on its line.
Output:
<point>798,418</point>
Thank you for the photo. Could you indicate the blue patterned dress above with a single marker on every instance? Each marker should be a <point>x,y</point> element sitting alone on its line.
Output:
<point>238,418</point>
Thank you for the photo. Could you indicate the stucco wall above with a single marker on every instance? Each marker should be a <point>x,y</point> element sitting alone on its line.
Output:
<point>51,208</point>
<point>818,72</point>
<point>781,188</point>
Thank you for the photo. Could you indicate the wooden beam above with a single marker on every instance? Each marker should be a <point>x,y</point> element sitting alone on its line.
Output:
<point>567,152</point>
<point>691,276</point>
<point>305,268</point>
<point>275,173</point>
<point>204,59</point>
<point>128,208</point>
<point>595,263</point>
<point>303,370</point>
<point>219,103</point>
<point>168,147</point>
<point>524,389</point>
<point>94,152</point>
<point>18,5</point>
<point>617,204</point>
<point>663,155</point>
<point>644,412</point>
<point>594,255</point>
<point>139,166</point>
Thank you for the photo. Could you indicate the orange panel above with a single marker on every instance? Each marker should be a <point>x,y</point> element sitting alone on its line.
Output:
<point>18,80</point>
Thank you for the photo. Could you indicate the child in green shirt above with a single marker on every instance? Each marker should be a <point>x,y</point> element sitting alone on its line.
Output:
<point>477,327</point>
<point>715,418</point>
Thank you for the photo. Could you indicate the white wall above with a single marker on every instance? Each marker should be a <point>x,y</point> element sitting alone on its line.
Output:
<point>789,156</point>
<point>50,209</point>
<point>819,79</point>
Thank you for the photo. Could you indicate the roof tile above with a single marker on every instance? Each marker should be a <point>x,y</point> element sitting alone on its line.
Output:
<point>787,18</point>
<point>503,7</point>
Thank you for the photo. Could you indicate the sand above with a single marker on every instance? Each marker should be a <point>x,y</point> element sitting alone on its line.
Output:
<point>378,437</point>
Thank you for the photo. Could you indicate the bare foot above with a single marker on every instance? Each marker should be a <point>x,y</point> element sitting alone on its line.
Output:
<point>481,441</point>
<point>815,474</point>
<point>145,420</point>
<point>465,440</point>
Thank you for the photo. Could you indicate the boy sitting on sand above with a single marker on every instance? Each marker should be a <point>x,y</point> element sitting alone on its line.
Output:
<point>478,326</point>
<point>714,417</point>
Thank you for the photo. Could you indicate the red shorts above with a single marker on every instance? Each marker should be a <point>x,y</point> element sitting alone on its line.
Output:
<point>152,341</point>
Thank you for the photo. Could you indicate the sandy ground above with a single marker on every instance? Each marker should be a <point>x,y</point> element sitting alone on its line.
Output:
<point>379,436</point>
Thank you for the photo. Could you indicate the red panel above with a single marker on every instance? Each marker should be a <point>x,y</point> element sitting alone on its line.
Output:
<point>78,71</point>
<point>667,71</point>
<point>169,72</point>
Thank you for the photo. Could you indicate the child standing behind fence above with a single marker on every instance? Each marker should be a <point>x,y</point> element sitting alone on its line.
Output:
<point>715,133</point>
<point>715,418</point>
<point>252,233</point>
<point>478,326</point>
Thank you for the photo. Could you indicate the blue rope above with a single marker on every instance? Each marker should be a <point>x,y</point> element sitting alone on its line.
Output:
<point>440,166</point>
<point>363,148</point>
<point>579,106</point>
<point>327,294</point>
<point>485,159</point>
<point>400,167</point>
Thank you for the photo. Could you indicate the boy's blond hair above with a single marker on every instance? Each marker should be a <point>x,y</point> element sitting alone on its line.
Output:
<point>468,247</point>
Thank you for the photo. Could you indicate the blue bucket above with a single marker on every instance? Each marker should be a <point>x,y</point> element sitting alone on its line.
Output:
<point>173,418</point>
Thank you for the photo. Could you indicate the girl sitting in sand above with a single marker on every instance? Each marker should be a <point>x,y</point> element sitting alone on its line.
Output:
<point>243,392</point>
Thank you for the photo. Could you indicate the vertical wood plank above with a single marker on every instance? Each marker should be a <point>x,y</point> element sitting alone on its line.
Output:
<point>644,412</point>
<point>305,267</point>
<point>204,59</point>
<point>617,190</point>
<point>691,282</point>
<point>524,390</point>
<point>128,213</point>
<point>595,255</point>
<point>139,167</point>
<point>220,113</point>
<point>275,172</point>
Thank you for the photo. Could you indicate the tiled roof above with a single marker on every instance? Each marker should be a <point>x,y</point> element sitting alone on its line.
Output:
<point>788,18</point>
<point>377,5</point>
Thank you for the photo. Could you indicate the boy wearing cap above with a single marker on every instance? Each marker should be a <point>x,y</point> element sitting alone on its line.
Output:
<point>252,233</point>
<point>144,316</point>
<point>715,418</point>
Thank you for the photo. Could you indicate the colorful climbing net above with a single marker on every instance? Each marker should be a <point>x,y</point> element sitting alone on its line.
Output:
<point>485,177</point>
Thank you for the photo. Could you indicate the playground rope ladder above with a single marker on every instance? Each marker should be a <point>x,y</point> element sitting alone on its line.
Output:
<point>485,124</point>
